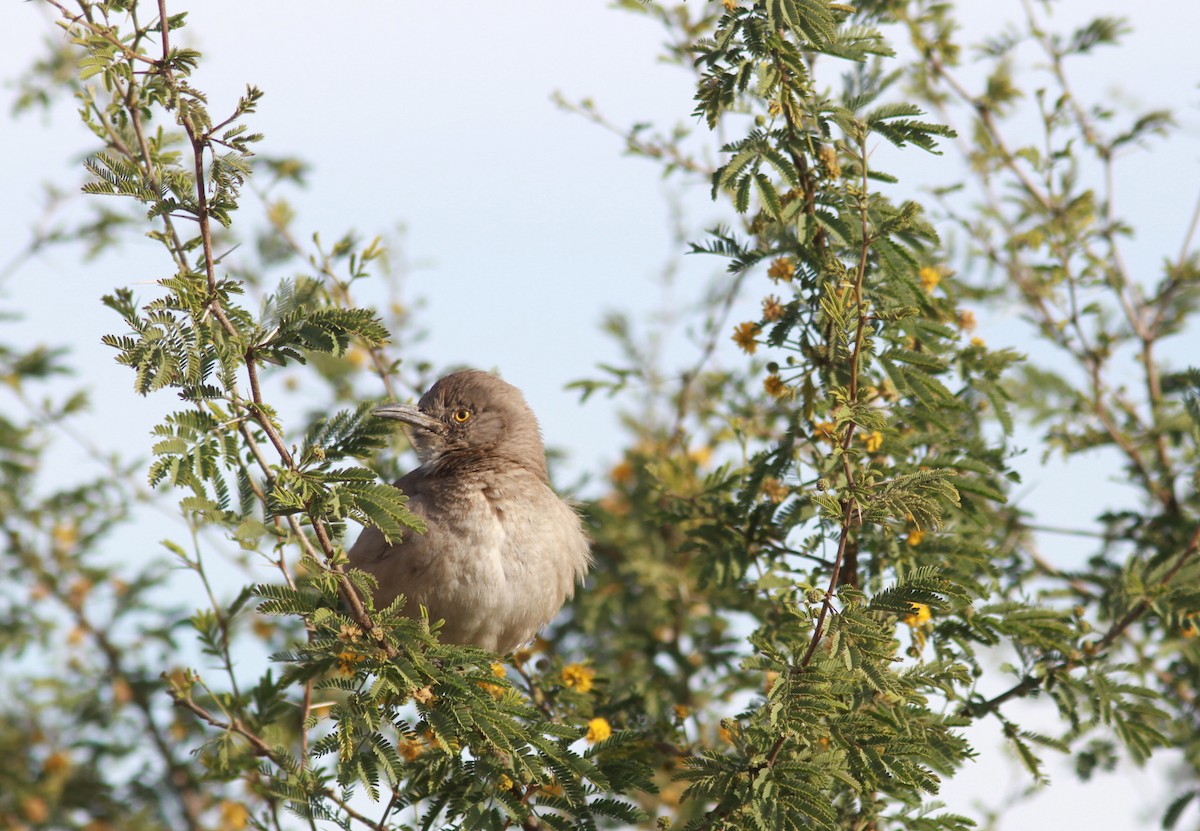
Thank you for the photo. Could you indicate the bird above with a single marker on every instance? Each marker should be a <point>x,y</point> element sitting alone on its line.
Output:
<point>502,551</point>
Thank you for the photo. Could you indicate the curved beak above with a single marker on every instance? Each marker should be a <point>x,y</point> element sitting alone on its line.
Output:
<point>409,415</point>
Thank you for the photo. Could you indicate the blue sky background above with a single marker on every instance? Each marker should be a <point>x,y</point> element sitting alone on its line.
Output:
<point>529,225</point>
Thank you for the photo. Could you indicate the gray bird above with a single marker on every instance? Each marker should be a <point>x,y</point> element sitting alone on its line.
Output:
<point>502,551</point>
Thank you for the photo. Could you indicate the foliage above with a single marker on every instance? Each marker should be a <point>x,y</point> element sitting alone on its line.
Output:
<point>807,565</point>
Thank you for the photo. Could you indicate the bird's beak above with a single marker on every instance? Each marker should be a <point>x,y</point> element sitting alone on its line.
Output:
<point>409,415</point>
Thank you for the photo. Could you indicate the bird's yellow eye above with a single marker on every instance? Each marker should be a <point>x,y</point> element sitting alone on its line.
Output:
<point>461,415</point>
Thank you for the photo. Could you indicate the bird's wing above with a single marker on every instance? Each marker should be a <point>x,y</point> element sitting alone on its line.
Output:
<point>394,565</point>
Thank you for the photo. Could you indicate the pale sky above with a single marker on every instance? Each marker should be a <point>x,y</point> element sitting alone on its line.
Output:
<point>531,224</point>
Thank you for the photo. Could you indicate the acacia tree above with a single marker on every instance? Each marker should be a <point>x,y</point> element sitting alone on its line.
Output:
<point>805,560</point>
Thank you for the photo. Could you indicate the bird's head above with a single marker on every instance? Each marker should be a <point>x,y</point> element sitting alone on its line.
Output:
<point>472,414</point>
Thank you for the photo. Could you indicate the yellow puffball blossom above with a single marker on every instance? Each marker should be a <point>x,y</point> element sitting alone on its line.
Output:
<point>410,749</point>
<point>349,632</point>
<point>122,693</point>
<point>782,269</point>
<point>977,341</point>
<point>873,441</point>
<point>34,809</point>
<point>1190,626</point>
<point>234,816</point>
<point>504,783</point>
<point>929,277</point>
<point>56,763</point>
<point>65,535</point>
<point>775,387</point>
<point>346,662</point>
<point>915,537</point>
<point>729,5</point>
<point>769,681</point>
<point>827,154</point>
<point>578,677</point>
<point>921,615</point>
<point>772,308</point>
<point>774,490</point>
<point>495,690</point>
<point>622,473</point>
<point>598,730</point>
<point>825,430</point>
<point>966,320</point>
<point>744,336</point>
<point>681,711</point>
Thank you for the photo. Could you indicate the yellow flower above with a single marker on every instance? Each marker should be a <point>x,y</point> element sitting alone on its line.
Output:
<point>782,269</point>
<point>769,681</point>
<point>915,537</point>
<point>622,473</point>
<point>772,308</point>
<point>977,341</point>
<point>410,749</point>
<point>921,615</point>
<point>774,490</point>
<point>65,535</point>
<point>34,808</point>
<point>775,387</point>
<point>827,154</point>
<point>495,690</point>
<point>346,662</point>
<point>744,336</point>
<point>122,692</point>
<point>873,441</point>
<point>929,277</point>
<point>1190,626</point>
<point>966,320</point>
<point>598,730</point>
<point>349,632</point>
<point>825,430</point>
<point>78,592</point>
<point>681,711</point>
<point>578,677</point>
<point>233,816</point>
<point>57,762</point>
<point>700,455</point>
<point>504,783</point>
